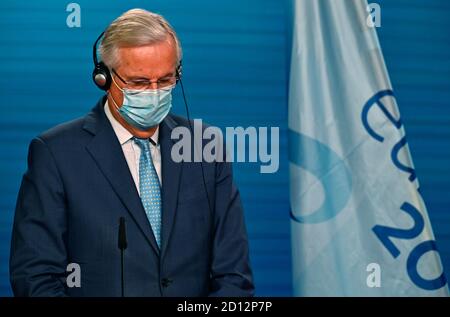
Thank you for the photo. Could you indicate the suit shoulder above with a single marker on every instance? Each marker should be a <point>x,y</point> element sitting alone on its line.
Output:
<point>74,130</point>
<point>64,130</point>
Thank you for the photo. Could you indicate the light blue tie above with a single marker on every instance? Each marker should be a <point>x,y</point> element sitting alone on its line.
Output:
<point>149,188</point>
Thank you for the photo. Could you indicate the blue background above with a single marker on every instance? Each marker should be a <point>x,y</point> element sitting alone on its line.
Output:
<point>236,65</point>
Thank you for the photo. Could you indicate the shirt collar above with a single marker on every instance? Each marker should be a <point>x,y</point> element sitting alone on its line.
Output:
<point>123,135</point>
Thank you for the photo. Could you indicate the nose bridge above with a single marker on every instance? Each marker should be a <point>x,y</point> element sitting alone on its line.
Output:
<point>154,84</point>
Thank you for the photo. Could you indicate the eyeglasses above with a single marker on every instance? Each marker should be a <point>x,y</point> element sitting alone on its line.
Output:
<point>144,84</point>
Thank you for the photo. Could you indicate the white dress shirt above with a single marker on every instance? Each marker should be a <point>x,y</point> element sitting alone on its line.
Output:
<point>131,150</point>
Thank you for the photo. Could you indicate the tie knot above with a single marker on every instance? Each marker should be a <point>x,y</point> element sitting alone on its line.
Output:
<point>144,144</point>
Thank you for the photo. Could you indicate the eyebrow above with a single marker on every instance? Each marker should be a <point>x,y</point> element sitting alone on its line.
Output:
<point>139,78</point>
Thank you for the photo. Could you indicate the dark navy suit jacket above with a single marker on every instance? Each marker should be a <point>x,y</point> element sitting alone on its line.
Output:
<point>72,195</point>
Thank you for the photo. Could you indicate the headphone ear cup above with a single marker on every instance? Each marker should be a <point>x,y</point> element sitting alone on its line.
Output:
<point>179,72</point>
<point>101,76</point>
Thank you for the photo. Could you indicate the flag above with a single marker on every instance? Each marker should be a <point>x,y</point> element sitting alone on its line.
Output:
<point>359,226</point>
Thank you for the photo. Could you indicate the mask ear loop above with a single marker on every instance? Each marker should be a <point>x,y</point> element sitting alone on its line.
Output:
<point>114,81</point>
<point>114,102</point>
<point>109,94</point>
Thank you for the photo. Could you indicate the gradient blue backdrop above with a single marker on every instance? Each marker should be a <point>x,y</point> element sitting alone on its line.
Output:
<point>236,65</point>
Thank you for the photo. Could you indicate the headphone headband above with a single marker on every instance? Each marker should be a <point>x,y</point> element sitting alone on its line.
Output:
<point>94,53</point>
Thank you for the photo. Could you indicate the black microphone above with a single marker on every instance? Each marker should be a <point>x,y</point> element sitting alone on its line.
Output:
<point>122,243</point>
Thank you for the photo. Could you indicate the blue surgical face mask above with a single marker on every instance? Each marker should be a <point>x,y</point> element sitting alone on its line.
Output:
<point>144,109</point>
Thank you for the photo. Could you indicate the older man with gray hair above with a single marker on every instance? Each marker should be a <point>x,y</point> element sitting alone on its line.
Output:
<point>103,198</point>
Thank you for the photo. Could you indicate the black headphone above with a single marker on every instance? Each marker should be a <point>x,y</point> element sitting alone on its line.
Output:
<point>101,74</point>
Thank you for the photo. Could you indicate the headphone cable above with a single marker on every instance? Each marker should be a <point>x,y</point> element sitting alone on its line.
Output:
<point>192,131</point>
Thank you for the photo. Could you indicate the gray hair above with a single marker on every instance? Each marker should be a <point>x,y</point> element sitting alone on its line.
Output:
<point>135,27</point>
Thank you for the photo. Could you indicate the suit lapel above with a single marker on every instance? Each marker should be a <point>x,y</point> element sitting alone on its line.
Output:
<point>171,172</point>
<point>106,150</point>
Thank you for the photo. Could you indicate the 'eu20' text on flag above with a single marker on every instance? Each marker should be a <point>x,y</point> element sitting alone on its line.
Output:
<point>359,225</point>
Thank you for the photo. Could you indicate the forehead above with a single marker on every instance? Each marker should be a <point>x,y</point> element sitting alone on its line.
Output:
<point>149,61</point>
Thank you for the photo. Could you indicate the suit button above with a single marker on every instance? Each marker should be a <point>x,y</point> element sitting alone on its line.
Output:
<point>165,282</point>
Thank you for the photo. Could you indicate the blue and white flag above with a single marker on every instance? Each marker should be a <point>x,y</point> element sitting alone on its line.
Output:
<point>359,225</point>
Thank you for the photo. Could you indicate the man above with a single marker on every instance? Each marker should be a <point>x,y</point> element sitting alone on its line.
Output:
<point>84,175</point>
